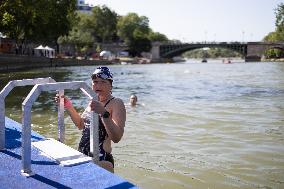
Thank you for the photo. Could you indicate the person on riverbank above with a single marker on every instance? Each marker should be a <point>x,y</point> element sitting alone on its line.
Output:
<point>112,117</point>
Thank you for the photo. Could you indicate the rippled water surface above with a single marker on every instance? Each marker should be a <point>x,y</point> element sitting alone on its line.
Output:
<point>197,126</point>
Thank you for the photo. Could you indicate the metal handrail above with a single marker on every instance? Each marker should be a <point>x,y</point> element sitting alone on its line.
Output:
<point>26,119</point>
<point>8,88</point>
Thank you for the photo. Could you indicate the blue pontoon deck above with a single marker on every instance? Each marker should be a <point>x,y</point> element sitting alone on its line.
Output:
<point>47,172</point>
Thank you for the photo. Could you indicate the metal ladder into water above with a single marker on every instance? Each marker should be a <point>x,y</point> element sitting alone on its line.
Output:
<point>48,84</point>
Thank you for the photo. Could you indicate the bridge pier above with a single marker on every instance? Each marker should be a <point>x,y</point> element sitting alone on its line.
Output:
<point>252,59</point>
<point>155,51</point>
<point>255,51</point>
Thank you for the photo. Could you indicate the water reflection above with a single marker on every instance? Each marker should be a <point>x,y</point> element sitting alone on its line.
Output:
<point>200,126</point>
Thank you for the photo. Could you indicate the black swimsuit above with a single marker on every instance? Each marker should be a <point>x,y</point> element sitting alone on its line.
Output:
<point>84,145</point>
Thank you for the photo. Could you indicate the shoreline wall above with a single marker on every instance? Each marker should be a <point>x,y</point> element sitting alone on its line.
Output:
<point>13,62</point>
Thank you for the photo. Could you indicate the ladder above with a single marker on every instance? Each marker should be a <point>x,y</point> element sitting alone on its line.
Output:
<point>40,85</point>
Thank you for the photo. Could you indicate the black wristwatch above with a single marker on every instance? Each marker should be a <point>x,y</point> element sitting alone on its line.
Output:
<point>106,114</point>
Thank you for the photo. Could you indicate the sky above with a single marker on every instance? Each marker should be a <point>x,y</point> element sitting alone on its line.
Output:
<point>202,20</point>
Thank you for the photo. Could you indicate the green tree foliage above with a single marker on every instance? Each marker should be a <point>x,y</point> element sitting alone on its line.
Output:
<point>156,36</point>
<point>131,25</point>
<point>17,19</point>
<point>59,17</point>
<point>41,20</point>
<point>80,39</point>
<point>56,21</point>
<point>139,45</point>
<point>134,31</point>
<point>79,36</point>
<point>274,53</point>
<point>88,29</point>
<point>102,24</point>
<point>277,35</point>
<point>280,16</point>
<point>280,22</point>
<point>272,37</point>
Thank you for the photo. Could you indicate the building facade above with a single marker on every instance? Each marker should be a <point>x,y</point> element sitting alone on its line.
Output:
<point>83,7</point>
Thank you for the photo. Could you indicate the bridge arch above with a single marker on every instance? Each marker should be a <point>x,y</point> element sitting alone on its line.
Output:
<point>270,53</point>
<point>178,52</point>
<point>252,51</point>
<point>169,51</point>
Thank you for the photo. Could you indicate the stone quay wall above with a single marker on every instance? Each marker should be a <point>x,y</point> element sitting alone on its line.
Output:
<point>13,62</point>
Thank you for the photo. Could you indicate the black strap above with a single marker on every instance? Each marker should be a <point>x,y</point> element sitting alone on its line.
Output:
<point>108,101</point>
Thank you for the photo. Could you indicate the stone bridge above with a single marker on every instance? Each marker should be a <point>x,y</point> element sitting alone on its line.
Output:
<point>251,51</point>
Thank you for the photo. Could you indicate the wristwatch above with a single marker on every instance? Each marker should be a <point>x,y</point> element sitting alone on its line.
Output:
<point>106,114</point>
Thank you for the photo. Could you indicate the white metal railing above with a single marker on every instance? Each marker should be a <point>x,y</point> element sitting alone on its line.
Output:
<point>7,89</point>
<point>45,84</point>
<point>26,119</point>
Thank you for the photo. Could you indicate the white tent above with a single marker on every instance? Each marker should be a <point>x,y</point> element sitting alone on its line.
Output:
<point>39,51</point>
<point>44,51</point>
<point>105,54</point>
<point>2,36</point>
<point>48,48</point>
<point>49,52</point>
<point>40,47</point>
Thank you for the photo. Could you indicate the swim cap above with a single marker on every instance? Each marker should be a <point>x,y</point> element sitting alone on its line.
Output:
<point>103,73</point>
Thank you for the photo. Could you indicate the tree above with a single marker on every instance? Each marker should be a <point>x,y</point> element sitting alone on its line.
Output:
<point>79,36</point>
<point>157,37</point>
<point>130,25</point>
<point>139,45</point>
<point>40,20</point>
<point>280,22</point>
<point>102,24</point>
<point>134,31</point>
<point>80,39</point>
<point>279,15</point>
<point>271,37</point>
<point>17,19</point>
<point>278,34</point>
<point>57,16</point>
<point>274,53</point>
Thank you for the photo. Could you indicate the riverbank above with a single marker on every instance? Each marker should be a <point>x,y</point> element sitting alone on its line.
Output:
<point>13,62</point>
<point>273,60</point>
<point>17,62</point>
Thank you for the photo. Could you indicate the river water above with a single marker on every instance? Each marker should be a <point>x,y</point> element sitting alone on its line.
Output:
<point>197,125</point>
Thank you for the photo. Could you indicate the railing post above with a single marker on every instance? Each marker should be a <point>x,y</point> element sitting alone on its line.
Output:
<point>61,126</point>
<point>26,141</point>
<point>94,140</point>
<point>2,123</point>
<point>5,91</point>
<point>26,119</point>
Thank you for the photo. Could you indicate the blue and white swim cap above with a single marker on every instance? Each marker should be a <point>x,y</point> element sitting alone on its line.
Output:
<point>103,73</point>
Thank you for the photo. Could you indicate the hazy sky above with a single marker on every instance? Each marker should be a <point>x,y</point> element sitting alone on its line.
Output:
<point>203,20</point>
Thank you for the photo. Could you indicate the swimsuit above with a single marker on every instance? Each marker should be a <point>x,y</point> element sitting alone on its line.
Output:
<point>84,145</point>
